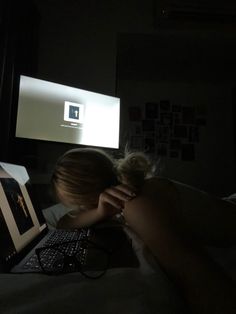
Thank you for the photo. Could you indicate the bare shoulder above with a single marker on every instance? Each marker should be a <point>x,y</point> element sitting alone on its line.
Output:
<point>160,188</point>
<point>156,193</point>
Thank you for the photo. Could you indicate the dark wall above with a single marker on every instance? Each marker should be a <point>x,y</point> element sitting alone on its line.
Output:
<point>19,25</point>
<point>187,60</point>
<point>186,80</point>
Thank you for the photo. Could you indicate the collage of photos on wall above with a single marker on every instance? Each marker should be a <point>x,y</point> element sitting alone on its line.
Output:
<point>166,129</point>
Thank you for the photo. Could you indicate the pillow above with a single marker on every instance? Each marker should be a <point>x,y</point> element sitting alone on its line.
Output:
<point>53,213</point>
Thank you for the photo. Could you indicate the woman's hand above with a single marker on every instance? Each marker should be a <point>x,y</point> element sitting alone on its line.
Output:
<point>111,201</point>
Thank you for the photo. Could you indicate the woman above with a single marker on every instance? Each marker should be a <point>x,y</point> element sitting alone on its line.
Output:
<point>173,219</point>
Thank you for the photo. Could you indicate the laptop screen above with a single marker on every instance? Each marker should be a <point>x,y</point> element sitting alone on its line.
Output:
<point>20,222</point>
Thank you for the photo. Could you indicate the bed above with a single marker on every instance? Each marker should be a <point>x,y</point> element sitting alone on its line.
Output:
<point>145,289</point>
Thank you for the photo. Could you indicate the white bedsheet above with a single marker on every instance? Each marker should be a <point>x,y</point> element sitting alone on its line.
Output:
<point>124,291</point>
<point>144,290</point>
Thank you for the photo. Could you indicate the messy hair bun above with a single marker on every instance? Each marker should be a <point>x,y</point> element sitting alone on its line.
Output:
<point>134,168</point>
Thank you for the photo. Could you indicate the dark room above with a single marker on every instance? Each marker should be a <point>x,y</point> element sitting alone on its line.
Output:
<point>118,156</point>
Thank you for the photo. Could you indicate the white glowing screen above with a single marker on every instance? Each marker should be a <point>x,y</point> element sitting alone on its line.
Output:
<point>54,112</point>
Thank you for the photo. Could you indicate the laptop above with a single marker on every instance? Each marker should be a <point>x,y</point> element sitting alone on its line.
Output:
<point>22,225</point>
<point>23,229</point>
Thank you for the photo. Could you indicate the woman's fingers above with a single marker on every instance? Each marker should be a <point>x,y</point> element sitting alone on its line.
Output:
<point>121,192</point>
<point>116,196</point>
<point>113,200</point>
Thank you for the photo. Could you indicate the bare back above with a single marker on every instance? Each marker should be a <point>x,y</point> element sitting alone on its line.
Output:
<point>210,220</point>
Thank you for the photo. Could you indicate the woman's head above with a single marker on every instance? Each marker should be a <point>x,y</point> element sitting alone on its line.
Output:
<point>80,175</point>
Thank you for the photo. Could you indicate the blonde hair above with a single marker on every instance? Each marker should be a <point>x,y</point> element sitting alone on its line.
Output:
<point>83,173</point>
<point>134,168</point>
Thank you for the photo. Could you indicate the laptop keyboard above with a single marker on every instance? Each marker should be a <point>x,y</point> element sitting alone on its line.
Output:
<point>59,236</point>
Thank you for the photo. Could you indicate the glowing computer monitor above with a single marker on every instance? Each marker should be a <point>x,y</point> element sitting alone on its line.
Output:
<point>53,112</point>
